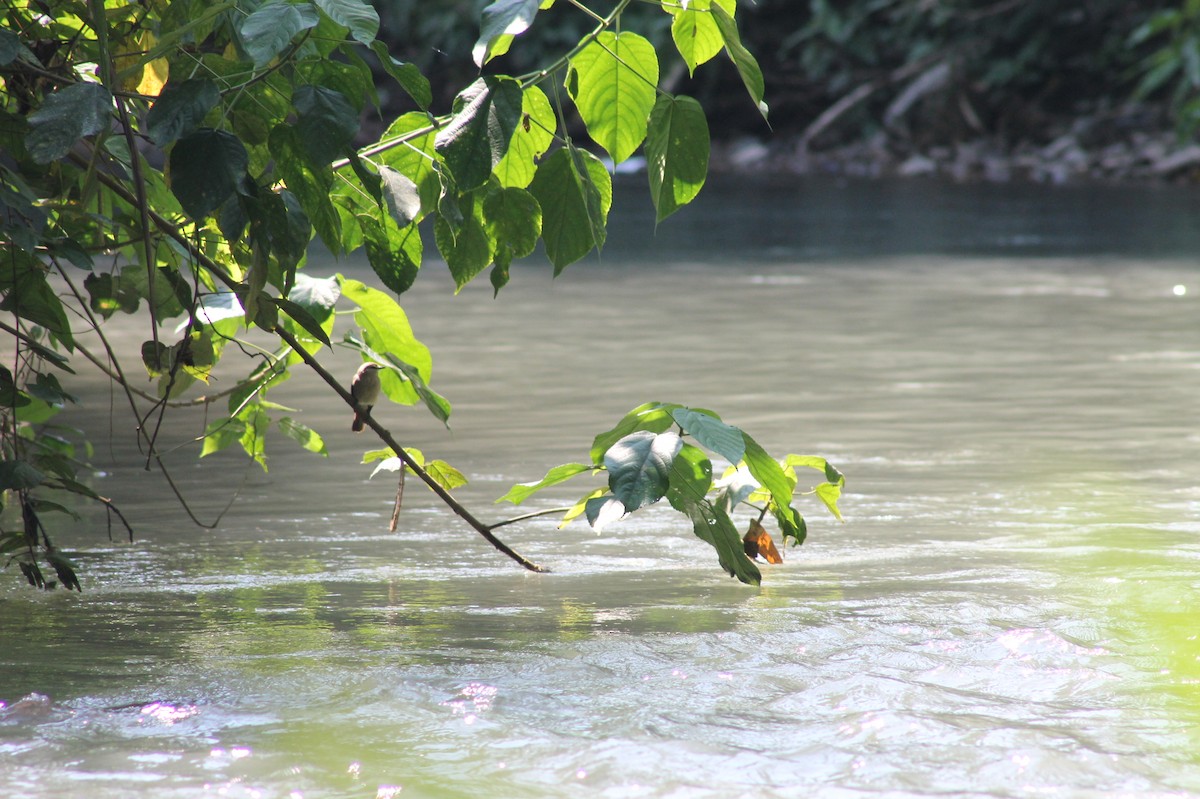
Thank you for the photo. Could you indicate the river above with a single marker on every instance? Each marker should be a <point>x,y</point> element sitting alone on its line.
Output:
<point>1008,377</point>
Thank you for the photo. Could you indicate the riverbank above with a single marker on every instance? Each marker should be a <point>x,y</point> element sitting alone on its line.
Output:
<point>1076,155</point>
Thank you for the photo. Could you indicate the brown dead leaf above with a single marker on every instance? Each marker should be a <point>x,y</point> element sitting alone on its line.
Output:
<point>757,541</point>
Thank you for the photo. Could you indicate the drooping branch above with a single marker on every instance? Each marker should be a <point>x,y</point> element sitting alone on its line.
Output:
<point>169,229</point>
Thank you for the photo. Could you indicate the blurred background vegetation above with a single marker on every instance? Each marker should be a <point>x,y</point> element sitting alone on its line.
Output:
<point>918,73</point>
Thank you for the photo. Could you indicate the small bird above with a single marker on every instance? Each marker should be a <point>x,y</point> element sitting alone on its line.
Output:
<point>365,390</point>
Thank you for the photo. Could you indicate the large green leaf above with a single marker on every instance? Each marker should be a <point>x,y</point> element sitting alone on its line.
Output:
<point>393,252</point>
<point>207,167</point>
<point>695,32</point>
<point>326,124</point>
<point>603,510</point>
<point>19,475</point>
<point>677,148</point>
<point>709,430</point>
<point>575,192</point>
<point>34,300</point>
<point>66,116</point>
<point>747,66</point>
<point>357,15</point>
<point>690,480</point>
<point>530,140</point>
<point>386,326</point>
<point>408,75</point>
<point>500,22</point>
<point>180,108</point>
<point>513,220</point>
<point>477,136</point>
<point>523,491</point>
<point>315,295</point>
<point>639,467</point>
<point>271,28</point>
<point>402,196</point>
<point>309,181</point>
<point>414,156</point>
<point>303,435</point>
<point>613,82</point>
<point>652,416</point>
<point>466,247</point>
<point>767,471</point>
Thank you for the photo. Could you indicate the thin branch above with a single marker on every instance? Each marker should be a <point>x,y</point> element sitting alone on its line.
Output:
<point>534,515</point>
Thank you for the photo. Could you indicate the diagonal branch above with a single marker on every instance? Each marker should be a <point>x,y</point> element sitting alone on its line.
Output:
<point>386,436</point>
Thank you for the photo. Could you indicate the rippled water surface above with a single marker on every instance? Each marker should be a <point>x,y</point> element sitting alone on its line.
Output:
<point>1009,380</point>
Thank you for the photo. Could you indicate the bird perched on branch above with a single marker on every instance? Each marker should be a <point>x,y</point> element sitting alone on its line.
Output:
<point>365,390</point>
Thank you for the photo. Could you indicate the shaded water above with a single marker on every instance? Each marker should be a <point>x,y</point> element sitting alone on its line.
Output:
<point>1008,378</point>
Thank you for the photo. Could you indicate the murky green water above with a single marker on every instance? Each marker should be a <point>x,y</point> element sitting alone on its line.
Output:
<point>1008,378</point>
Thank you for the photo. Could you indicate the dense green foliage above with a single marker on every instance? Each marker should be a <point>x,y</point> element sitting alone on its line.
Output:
<point>927,71</point>
<point>172,160</point>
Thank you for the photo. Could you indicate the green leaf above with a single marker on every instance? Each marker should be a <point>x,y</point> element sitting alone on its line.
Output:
<point>254,434</point>
<point>695,32</point>
<point>747,67</point>
<point>559,474</point>
<point>407,75</point>
<point>10,395</point>
<point>180,108</point>
<point>303,435</point>
<point>530,140</point>
<point>690,480</point>
<point>467,250</point>
<point>270,29</point>
<point>206,168</point>
<point>639,467</point>
<point>709,430</point>
<point>768,472</point>
<point>513,220</point>
<point>12,48</point>
<point>316,295</point>
<point>309,181</point>
<point>302,317</point>
<point>477,136</point>
<point>435,403</point>
<point>47,388</point>
<point>220,434</point>
<point>402,196</point>
<point>414,157</point>
<point>66,116</point>
<point>602,511</point>
<point>613,82</point>
<point>652,416</point>
<point>19,475</point>
<point>358,16</point>
<point>445,475</point>
<point>575,192</point>
<point>32,298</point>
<point>500,22</point>
<point>677,148</point>
<point>394,253</point>
<point>327,122</point>
<point>386,327</point>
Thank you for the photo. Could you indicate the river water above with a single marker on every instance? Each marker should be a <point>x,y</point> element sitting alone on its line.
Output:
<point>1007,376</point>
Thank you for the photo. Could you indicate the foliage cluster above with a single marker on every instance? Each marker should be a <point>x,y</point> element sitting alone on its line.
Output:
<point>172,159</point>
<point>927,72</point>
